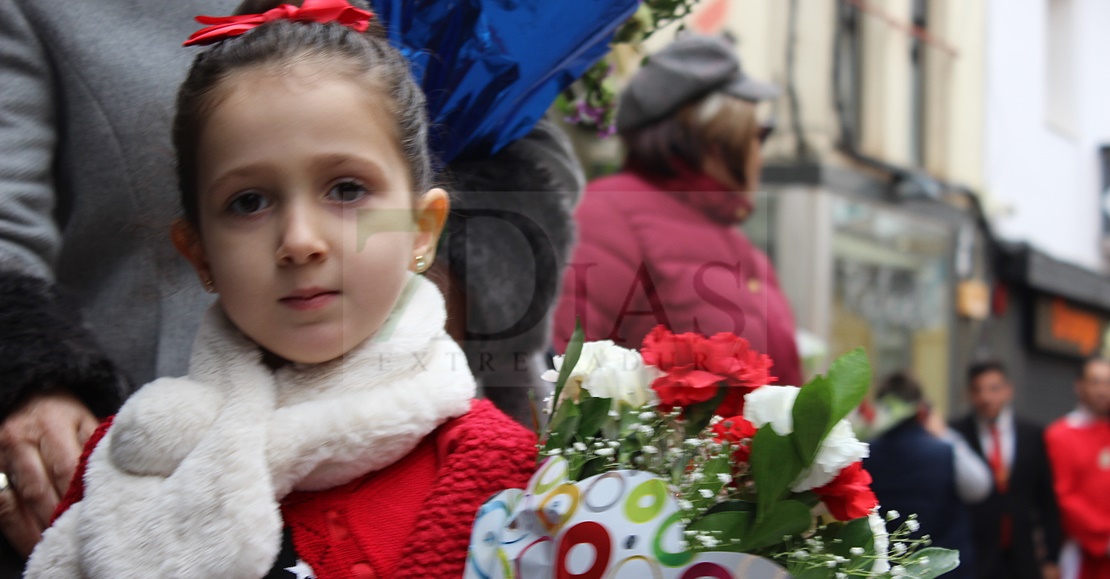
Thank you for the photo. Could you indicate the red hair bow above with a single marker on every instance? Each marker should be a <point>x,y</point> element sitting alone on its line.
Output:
<point>322,11</point>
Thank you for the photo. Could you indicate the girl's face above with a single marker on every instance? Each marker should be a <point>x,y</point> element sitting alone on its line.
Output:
<point>307,220</point>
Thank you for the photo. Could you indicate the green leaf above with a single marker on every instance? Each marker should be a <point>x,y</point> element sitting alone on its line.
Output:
<point>812,413</point>
<point>570,359</point>
<point>595,411</point>
<point>812,573</point>
<point>941,561</point>
<point>563,426</point>
<point>698,415</point>
<point>840,538</point>
<point>561,414</point>
<point>850,378</point>
<point>594,466</point>
<point>731,505</point>
<point>720,464</point>
<point>775,464</point>
<point>726,525</point>
<point>855,533</point>
<point>786,518</point>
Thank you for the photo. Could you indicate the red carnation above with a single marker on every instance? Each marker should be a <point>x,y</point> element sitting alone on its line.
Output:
<point>742,368</point>
<point>682,359</point>
<point>669,351</point>
<point>738,432</point>
<point>695,366</point>
<point>849,495</point>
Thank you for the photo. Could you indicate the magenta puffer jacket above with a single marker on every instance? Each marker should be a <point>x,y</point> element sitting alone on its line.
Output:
<point>668,252</point>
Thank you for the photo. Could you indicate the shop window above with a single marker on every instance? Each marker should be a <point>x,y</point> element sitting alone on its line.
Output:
<point>892,292</point>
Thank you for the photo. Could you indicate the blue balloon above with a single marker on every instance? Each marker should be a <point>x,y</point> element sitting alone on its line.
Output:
<point>492,68</point>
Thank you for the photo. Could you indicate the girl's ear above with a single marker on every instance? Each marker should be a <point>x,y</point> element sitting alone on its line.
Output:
<point>431,215</point>
<point>187,241</point>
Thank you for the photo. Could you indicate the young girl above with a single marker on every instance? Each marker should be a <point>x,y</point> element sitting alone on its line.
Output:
<point>327,427</point>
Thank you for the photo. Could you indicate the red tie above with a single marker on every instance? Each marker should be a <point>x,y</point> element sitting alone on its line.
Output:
<point>1002,482</point>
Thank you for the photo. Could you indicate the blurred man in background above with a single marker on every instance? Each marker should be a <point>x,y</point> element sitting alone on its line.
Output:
<point>1079,450</point>
<point>921,467</point>
<point>1022,501</point>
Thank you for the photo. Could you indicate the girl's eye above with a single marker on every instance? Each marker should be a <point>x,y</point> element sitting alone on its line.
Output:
<point>248,203</point>
<point>347,192</point>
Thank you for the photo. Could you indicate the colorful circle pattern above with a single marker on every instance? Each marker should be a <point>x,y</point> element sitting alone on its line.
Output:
<point>616,525</point>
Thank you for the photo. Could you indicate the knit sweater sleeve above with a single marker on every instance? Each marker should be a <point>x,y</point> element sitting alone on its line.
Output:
<point>487,452</point>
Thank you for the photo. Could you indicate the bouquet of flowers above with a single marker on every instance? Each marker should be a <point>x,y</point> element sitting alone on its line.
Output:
<point>679,461</point>
<point>591,101</point>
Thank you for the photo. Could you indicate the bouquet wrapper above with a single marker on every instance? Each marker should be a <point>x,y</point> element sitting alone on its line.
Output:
<point>491,68</point>
<point>617,525</point>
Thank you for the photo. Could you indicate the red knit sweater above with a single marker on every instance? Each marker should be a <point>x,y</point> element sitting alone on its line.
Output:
<point>412,519</point>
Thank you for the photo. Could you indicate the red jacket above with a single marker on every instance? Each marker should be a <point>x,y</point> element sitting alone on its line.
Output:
<point>410,520</point>
<point>1080,457</point>
<point>669,252</point>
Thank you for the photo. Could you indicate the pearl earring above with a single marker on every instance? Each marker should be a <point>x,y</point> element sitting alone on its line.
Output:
<point>210,286</point>
<point>420,264</point>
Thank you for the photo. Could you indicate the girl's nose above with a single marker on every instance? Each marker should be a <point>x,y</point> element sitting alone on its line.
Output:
<point>303,239</point>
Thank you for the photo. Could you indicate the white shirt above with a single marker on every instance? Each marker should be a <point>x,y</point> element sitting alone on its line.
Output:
<point>974,480</point>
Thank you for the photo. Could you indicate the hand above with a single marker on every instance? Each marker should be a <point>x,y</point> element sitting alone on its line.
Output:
<point>40,444</point>
<point>1050,571</point>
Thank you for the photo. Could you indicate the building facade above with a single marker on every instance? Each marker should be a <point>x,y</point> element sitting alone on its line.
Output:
<point>934,184</point>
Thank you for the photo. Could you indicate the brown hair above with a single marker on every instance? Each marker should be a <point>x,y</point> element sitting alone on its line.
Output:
<point>683,139</point>
<point>283,43</point>
<point>979,368</point>
<point>902,386</point>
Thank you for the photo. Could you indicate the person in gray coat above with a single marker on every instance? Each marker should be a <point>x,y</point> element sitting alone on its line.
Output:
<point>93,299</point>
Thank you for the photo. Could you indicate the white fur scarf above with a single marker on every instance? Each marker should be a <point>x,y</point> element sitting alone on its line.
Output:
<point>188,479</point>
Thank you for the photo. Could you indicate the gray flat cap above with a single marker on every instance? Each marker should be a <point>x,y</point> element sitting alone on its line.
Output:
<point>690,67</point>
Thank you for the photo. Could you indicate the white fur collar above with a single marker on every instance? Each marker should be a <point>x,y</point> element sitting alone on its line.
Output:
<point>187,481</point>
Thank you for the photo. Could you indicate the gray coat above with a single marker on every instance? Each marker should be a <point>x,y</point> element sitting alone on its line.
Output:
<point>87,189</point>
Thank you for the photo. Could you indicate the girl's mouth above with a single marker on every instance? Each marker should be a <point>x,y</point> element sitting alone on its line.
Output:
<point>310,299</point>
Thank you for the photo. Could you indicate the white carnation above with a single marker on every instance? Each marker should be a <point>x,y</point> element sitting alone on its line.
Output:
<point>774,405</point>
<point>606,370</point>
<point>771,405</point>
<point>839,449</point>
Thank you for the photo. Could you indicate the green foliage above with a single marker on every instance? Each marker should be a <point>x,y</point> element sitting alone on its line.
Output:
<point>570,358</point>
<point>932,562</point>
<point>734,525</point>
<point>698,415</point>
<point>812,416</point>
<point>775,465</point>
<point>787,518</point>
<point>703,493</point>
<point>591,101</point>
<point>595,411</point>
<point>849,378</point>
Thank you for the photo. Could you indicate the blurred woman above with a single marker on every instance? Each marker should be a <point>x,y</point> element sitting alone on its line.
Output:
<point>658,241</point>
